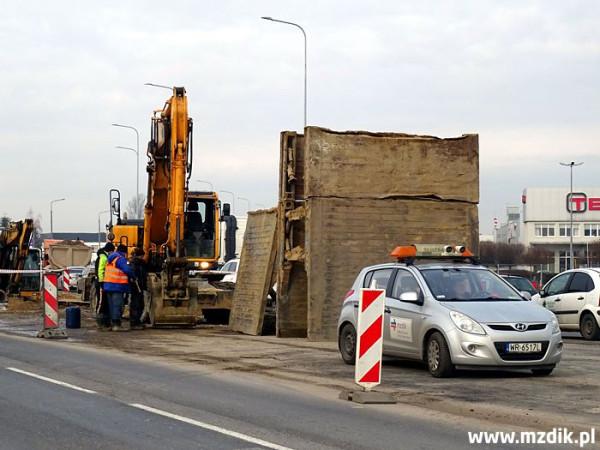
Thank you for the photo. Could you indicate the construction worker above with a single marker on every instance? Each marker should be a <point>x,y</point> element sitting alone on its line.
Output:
<point>102,312</point>
<point>137,288</point>
<point>116,284</point>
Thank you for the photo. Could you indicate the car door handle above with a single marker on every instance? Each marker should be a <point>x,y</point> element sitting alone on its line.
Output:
<point>557,300</point>
<point>387,310</point>
<point>580,298</point>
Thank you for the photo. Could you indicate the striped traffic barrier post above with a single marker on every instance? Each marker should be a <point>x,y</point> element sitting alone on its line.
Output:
<point>369,349</point>
<point>51,328</point>
<point>369,344</point>
<point>66,280</point>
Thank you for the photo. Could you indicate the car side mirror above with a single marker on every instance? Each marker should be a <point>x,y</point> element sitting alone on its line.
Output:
<point>526,295</point>
<point>542,293</point>
<point>226,209</point>
<point>411,296</point>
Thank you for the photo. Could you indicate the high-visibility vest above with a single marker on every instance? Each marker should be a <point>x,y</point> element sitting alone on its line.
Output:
<point>113,274</point>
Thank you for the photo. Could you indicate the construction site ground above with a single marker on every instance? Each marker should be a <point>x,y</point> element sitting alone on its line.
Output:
<point>567,398</point>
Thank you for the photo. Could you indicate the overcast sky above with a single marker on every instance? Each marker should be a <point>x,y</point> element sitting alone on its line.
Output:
<point>521,74</point>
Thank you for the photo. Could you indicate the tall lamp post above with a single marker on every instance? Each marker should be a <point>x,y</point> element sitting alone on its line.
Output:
<point>305,63</point>
<point>52,202</point>
<point>137,172</point>
<point>570,203</point>
<point>137,151</point>
<point>99,232</point>
<point>248,202</point>
<point>232,199</point>
<point>212,188</point>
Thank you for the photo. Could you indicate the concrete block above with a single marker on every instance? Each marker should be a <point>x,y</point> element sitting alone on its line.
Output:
<point>52,333</point>
<point>368,397</point>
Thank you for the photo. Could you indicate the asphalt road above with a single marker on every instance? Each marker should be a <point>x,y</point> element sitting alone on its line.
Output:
<point>133,403</point>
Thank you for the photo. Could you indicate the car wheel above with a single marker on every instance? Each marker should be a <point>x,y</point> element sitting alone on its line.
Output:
<point>439,362</point>
<point>542,372</point>
<point>588,327</point>
<point>347,343</point>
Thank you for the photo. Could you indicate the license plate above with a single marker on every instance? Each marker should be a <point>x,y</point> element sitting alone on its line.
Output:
<point>524,347</point>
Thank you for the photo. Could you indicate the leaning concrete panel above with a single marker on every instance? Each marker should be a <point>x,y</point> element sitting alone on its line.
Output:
<point>255,272</point>
<point>345,235</point>
<point>360,164</point>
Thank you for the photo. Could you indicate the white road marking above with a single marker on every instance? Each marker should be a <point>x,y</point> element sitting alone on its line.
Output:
<point>51,380</point>
<point>207,426</point>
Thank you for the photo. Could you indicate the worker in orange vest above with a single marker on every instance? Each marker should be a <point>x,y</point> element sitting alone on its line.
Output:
<point>116,284</point>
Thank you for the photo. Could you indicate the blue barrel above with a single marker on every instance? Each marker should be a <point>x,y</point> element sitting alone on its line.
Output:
<point>73,317</point>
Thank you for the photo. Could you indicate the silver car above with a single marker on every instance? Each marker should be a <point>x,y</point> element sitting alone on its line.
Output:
<point>454,315</point>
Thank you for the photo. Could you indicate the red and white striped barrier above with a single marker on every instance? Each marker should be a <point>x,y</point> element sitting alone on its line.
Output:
<point>50,301</point>
<point>66,280</point>
<point>369,345</point>
<point>50,328</point>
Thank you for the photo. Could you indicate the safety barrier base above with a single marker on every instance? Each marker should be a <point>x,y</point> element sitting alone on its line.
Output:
<point>52,333</point>
<point>368,397</point>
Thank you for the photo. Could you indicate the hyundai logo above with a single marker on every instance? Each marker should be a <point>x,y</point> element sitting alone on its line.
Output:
<point>520,326</point>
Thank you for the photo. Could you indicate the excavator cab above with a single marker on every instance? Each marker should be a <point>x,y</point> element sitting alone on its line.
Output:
<point>201,235</point>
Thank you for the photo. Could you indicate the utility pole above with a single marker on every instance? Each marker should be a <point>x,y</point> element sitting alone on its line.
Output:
<point>51,215</point>
<point>305,54</point>
<point>570,203</point>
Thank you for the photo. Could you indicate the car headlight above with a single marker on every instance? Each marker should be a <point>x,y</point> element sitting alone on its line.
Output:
<point>465,323</point>
<point>555,326</point>
<point>204,265</point>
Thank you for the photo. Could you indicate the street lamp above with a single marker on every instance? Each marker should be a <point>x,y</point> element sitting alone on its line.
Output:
<point>99,214</point>
<point>137,172</point>
<point>247,201</point>
<point>212,188</point>
<point>52,202</point>
<point>137,152</point>
<point>158,86</point>
<point>570,203</point>
<point>232,199</point>
<point>305,63</point>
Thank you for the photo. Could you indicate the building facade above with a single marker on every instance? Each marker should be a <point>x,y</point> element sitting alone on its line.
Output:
<point>546,223</point>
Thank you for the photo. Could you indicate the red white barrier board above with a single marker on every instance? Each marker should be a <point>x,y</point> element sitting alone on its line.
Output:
<point>66,281</point>
<point>369,345</point>
<point>50,301</point>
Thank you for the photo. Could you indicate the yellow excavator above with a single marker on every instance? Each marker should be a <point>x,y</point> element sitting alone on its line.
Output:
<point>180,232</point>
<point>15,254</point>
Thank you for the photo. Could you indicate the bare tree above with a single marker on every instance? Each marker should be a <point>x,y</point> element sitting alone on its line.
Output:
<point>135,207</point>
<point>501,253</point>
<point>36,236</point>
<point>487,253</point>
<point>4,221</point>
<point>594,251</point>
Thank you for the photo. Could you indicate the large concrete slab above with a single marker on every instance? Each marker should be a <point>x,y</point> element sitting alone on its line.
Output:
<point>349,234</point>
<point>360,164</point>
<point>348,198</point>
<point>255,272</point>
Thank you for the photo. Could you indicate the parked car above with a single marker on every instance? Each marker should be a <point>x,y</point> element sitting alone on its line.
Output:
<point>522,284</point>
<point>454,315</point>
<point>574,296</point>
<point>232,267</point>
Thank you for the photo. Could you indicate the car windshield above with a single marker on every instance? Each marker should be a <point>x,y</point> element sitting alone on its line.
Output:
<point>468,284</point>
<point>522,284</point>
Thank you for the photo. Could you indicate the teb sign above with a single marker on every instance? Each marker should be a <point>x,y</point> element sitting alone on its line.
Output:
<point>579,202</point>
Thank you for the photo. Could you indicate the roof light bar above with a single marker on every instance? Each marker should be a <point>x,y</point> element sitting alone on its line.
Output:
<point>430,251</point>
